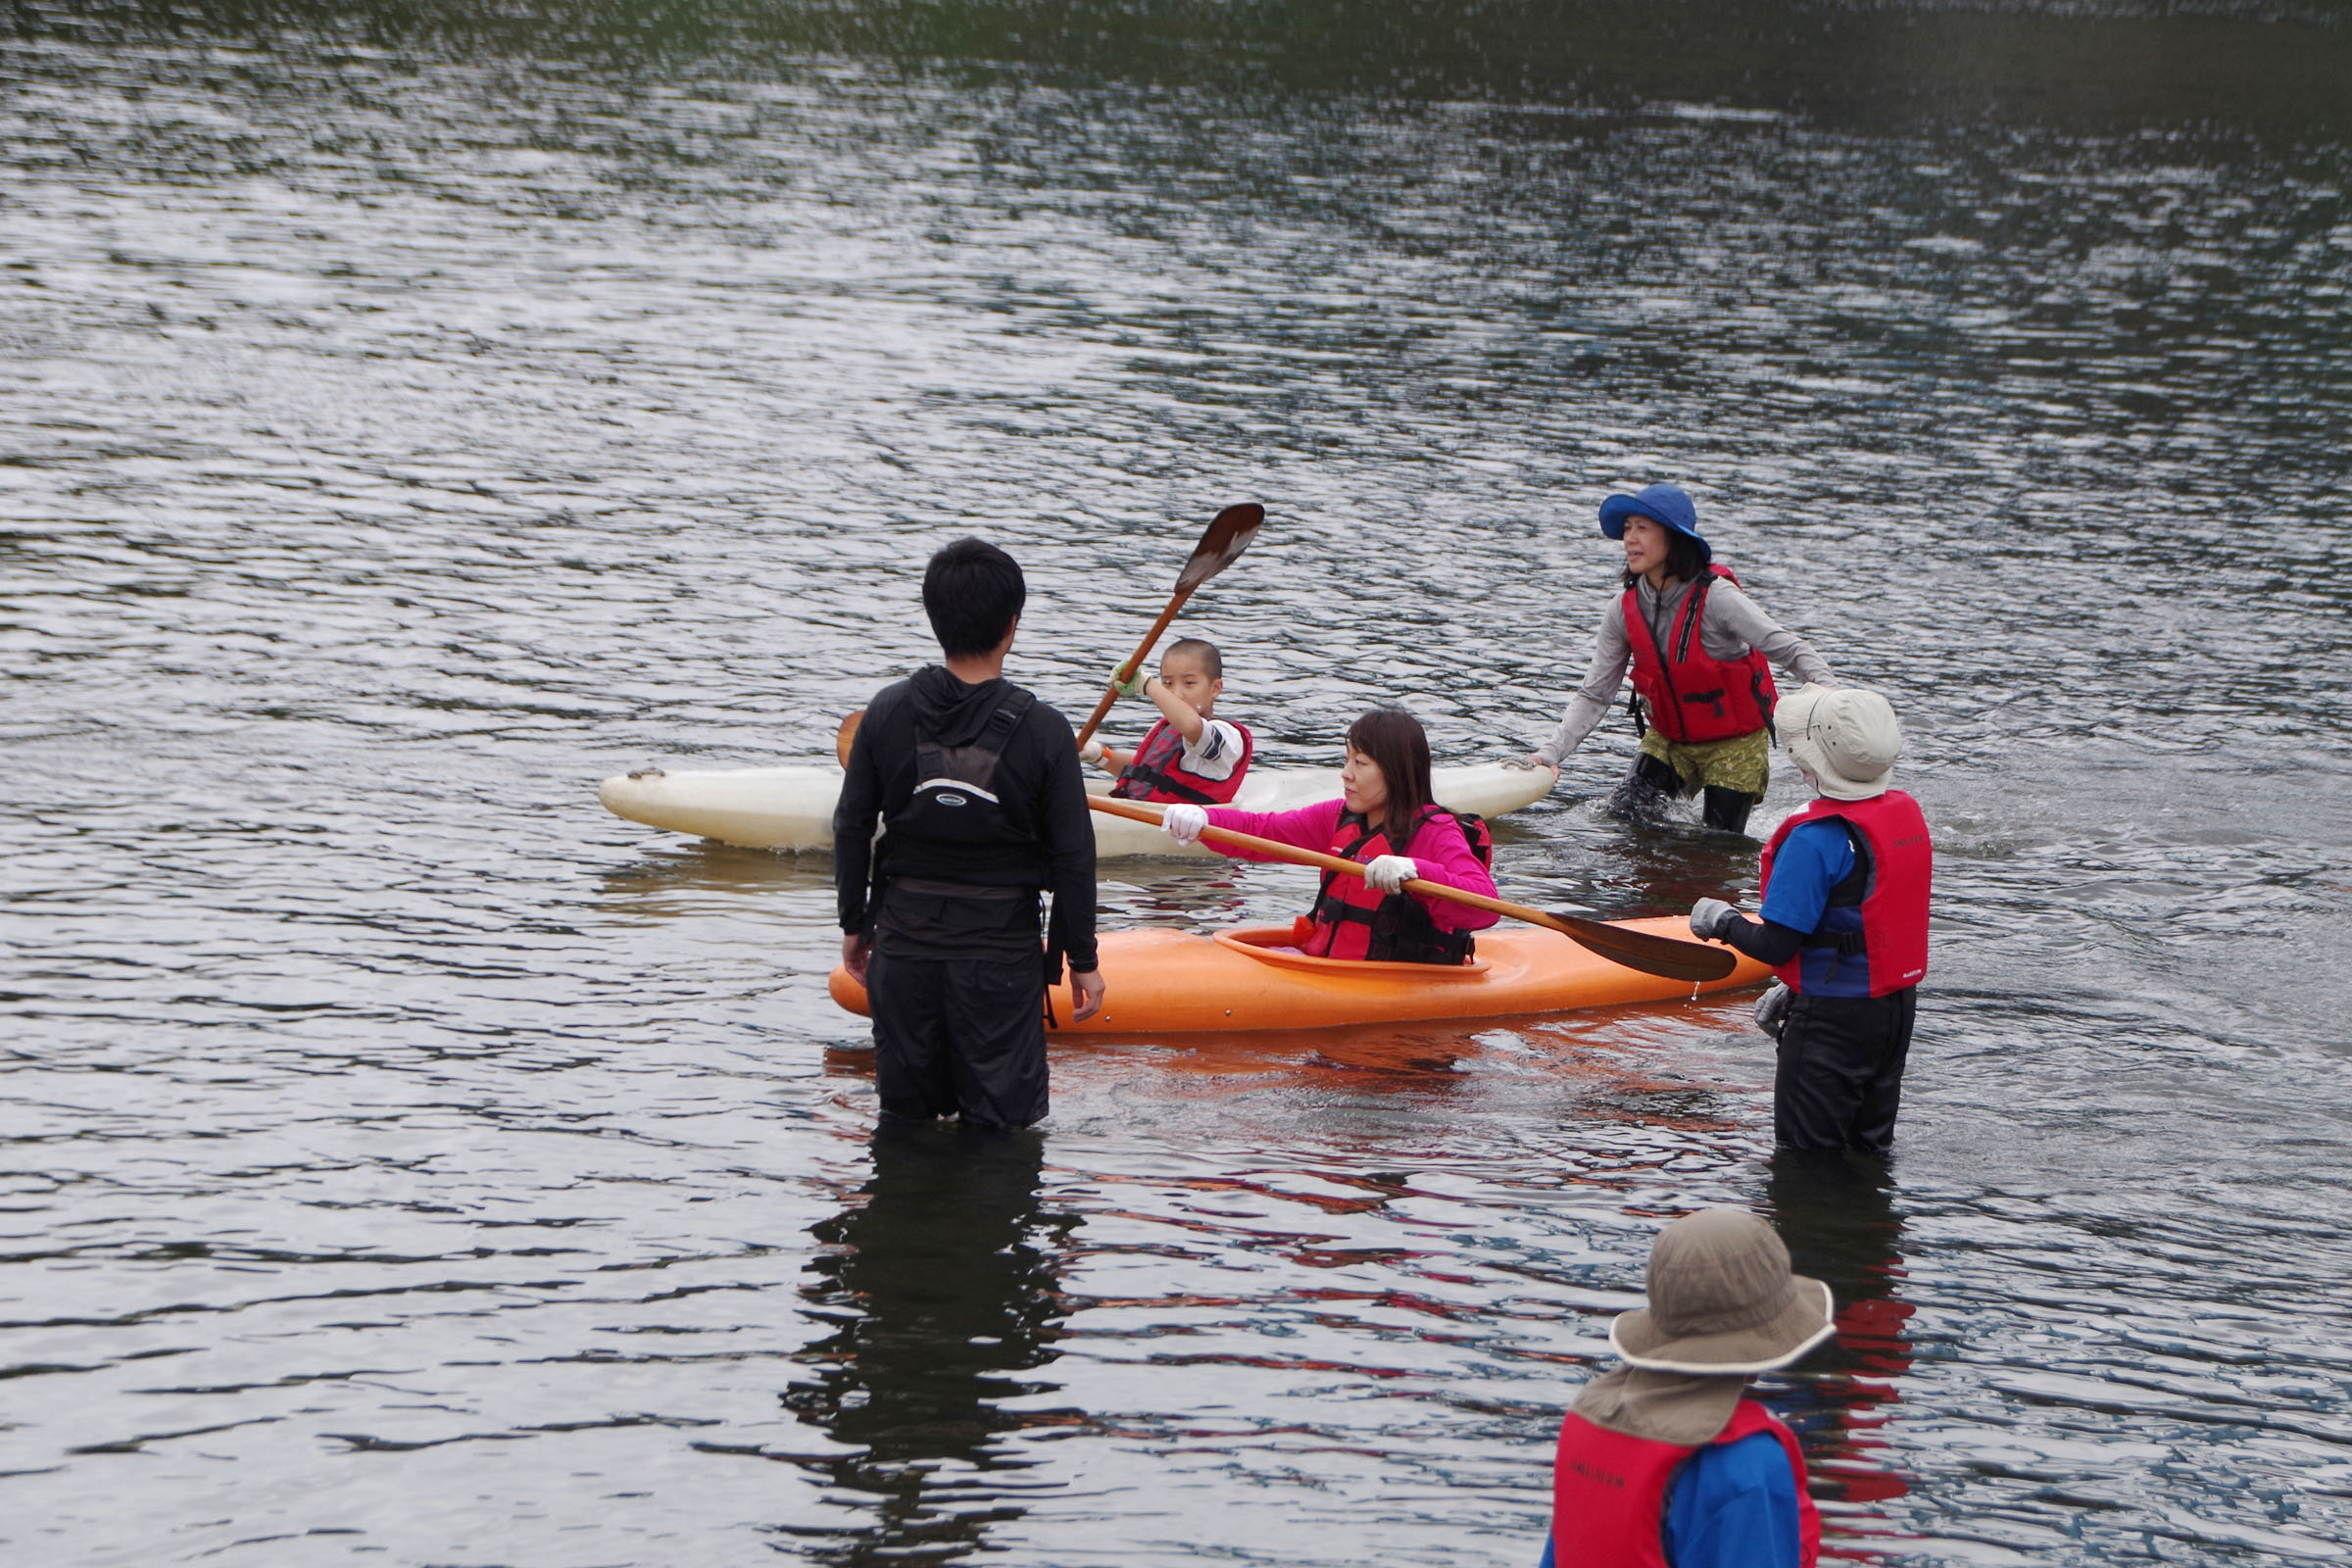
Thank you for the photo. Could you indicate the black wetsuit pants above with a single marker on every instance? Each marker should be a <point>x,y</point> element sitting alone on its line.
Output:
<point>960,1036</point>
<point>1840,1076</point>
<point>1645,792</point>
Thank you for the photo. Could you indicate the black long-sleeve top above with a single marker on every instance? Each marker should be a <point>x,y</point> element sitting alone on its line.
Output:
<point>1038,780</point>
<point>1768,940</point>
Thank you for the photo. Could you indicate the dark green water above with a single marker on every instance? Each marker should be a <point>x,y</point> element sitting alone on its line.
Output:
<point>409,414</point>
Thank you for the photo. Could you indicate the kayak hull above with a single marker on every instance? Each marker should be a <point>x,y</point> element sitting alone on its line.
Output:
<point>792,808</point>
<point>1173,982</point>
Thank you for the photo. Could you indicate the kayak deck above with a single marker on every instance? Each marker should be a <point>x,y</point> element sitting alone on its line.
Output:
<point>1173,982</point>
<point>791,808</point>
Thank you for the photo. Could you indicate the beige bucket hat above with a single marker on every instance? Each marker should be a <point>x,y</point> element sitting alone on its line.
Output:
<point>1846,737</point>
<point>1722,1301</point>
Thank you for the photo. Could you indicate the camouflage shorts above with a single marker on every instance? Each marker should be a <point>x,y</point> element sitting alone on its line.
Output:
<point>1744,762</point>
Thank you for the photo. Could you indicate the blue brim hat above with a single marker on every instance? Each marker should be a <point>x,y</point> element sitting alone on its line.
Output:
<point>1663,505</point>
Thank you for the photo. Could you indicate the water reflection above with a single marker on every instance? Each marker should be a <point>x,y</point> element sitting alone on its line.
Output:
<point>942,1283</point>
<point>1836,1214</point>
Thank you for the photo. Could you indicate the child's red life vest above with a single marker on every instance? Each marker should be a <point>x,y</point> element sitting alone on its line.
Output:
<point>1609,1490</point>
<point>1893,868</point>
<point>1693,696</point>
<point>1353,919</point>
<point>1158,773</point>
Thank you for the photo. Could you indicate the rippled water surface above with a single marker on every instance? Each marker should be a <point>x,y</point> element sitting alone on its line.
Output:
<point>407,418</point>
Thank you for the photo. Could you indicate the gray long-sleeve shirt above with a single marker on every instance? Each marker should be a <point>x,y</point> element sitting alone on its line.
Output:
<point>1729,626</point>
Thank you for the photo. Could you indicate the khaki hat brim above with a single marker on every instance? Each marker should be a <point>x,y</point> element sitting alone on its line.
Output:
<point>1803,1322</point>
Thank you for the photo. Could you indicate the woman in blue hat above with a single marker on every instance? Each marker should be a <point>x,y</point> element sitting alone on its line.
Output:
<point>1700,652</point>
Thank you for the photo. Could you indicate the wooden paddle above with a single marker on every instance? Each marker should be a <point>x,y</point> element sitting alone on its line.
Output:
<point>1666,957</point>
<point>1228,535</point>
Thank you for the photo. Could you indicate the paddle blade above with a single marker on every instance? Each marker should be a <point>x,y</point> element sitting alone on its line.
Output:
<point>1646,950</point>
<point>1227,537</point>
<point>848,732</point>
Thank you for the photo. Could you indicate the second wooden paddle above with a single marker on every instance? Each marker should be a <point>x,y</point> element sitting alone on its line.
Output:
<point>1665,957</point>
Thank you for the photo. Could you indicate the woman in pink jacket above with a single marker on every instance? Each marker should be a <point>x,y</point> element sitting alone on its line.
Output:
<point>1384,818</point>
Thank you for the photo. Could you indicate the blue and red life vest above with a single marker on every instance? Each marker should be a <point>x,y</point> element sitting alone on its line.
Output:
<point>1877,911</point>
<point>1156,772</point>
<point>1353,919</point>
<point>1693,696</point>
<point>1609,1490</point>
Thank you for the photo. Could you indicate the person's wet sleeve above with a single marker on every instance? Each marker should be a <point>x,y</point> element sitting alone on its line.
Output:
<point>1069,839</point>
<point>1735,1507</point>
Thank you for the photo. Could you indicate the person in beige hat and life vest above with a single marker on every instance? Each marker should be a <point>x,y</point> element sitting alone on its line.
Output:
<point>1843,923</point>
<point>1665,1459</point>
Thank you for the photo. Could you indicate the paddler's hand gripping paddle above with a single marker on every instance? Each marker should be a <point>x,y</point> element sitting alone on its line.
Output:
<point>1227,536</point>
<point>1665,957</point>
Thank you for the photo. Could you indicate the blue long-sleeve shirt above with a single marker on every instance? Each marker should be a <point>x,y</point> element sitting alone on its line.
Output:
<point>1733,1506</point>
<point>1814,859</point>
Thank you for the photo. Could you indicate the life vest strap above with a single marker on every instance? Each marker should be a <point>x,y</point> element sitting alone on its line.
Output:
<point>1844,942</point>
<point>1158,782</point>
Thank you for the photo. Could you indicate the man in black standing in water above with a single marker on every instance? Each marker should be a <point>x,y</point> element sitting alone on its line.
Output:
<point>977,787</point>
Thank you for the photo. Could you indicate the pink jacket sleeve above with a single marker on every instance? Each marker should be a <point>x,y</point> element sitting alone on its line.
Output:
<point>1444,856</point>
<point>1308,828</point>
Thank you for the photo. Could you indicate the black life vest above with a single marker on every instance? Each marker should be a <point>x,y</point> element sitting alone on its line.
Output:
<point>1393,927</point>
<point>956,827</point>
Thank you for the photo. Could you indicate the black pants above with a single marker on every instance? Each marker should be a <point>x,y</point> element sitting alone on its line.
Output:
<point>1646,790</point>
<point>1840,1076</point>
<point>960,1036</point>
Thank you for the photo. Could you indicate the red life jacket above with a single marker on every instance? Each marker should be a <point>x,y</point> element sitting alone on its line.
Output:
<point>1609,1490</point>
<point>1693,696</point>
<point>1893,866</point>
<point>1353,919</point>
<point>1156,772</point>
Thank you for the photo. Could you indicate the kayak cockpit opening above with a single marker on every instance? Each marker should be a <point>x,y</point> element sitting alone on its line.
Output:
<point>1271,944</point>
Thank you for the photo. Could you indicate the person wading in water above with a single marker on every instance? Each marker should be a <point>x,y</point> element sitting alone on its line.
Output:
<point>1697,646</point>
<point>1845,923</point>
<point>977,787</point>
<point>1665,1459</point>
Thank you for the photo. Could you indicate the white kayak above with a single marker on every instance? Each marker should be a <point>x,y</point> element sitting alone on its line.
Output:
<point>792,808</point>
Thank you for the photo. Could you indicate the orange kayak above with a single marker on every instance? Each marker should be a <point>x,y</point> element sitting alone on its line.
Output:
<point>1171,982</point>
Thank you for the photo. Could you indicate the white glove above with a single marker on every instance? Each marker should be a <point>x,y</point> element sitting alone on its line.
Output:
<point>1772,1008</point>
<point>1709,916</point>
<point>1390,873</point>
<point>1091,752</point>
<point>1184,822</point>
